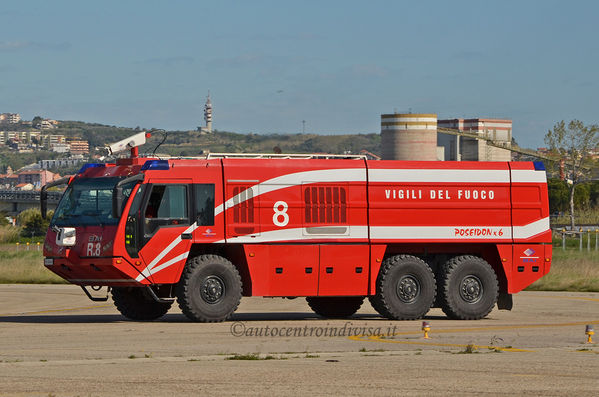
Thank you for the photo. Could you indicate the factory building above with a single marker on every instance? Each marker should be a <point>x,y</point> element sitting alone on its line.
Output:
<point>411,136</point>
<point>459,148</point>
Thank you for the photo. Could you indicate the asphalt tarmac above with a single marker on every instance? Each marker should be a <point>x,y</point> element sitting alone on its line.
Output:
<point>54,341</point>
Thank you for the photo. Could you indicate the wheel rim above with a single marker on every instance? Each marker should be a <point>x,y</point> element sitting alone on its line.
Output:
<point>471,289</point>
<point>408,289</point>
<point>212,289</point>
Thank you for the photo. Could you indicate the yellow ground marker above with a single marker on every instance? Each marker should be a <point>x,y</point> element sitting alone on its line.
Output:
<point>377,338</point>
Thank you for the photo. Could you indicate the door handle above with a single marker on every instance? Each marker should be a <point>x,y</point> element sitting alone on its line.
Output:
<point>186,236</point>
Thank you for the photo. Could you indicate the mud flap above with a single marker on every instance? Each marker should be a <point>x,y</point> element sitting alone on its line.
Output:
<point>504,301</point>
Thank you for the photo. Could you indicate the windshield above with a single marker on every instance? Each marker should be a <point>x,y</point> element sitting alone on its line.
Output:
<point>89,202</point>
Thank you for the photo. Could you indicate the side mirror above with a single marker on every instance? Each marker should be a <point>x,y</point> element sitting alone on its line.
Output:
<point>44,202</point>
<point>117,201</point>
<point>44,193</point>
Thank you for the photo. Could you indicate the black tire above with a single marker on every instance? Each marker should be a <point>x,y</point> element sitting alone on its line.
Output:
<point>210,289</point>
<point>135,303</point>
<point>405,288</point>
<point>470,289</point>
<point>335,306</point>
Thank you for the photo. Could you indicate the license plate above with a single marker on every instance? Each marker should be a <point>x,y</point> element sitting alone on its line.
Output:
<point>48,261</point>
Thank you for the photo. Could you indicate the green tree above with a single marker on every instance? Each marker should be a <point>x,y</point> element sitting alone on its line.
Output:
<point>594,194</point>
<point>3,220</point>
<point>33,223</point>
<point>36,120</point>
<point>582,196</point>
<point>572,144</point>
<point>558,195</point>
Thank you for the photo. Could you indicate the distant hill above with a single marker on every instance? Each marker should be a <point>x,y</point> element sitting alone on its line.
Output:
<point>192,143</point>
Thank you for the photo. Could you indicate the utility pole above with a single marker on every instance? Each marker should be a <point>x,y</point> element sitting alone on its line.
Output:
<point>303,126</point>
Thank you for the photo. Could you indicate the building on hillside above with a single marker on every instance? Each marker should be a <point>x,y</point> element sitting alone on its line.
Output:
<point>9,136</point>
<point>28,137</point>
<point>60,163</point>
<point>60,147</point>
<point>460,148</point>
<point>24,186</point>
<point>49,140</point>
<point>8,180</point>
<point>47,124</point>
<point>10,118</point>
<point>37,178</point>
<point>34,137</point>
<point>79,147</point>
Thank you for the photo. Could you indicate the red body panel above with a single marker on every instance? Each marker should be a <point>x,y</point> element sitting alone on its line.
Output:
<point>322,227</point>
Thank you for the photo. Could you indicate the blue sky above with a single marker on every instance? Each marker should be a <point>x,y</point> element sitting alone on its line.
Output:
<point>271,64</point>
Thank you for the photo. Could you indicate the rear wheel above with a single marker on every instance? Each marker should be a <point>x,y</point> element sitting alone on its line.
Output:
<point>209,289</point>
<point>470,288</point>
<point>335,306</point>
<point>135,303</point>
<point>405,288</point>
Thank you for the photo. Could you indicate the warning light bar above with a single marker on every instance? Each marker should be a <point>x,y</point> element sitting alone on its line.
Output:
<point>155,165</point>
<point>90,165</point>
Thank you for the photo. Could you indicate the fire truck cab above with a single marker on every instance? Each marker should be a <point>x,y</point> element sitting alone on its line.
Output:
<point>408,236</point>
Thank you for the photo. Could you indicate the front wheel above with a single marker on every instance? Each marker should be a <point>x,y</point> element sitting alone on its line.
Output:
<point>405,288</point>
<point>470,288</point>
<point>135,303</point>
<point>209,289</point>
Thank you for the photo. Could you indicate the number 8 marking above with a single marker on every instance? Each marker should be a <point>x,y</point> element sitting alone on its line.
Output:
<point>280,213</point>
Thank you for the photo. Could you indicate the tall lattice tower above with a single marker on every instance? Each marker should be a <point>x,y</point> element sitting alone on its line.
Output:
<point>208,114</point>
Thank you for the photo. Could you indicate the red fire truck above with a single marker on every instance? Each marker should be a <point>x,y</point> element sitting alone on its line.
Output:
<point>409,236</point>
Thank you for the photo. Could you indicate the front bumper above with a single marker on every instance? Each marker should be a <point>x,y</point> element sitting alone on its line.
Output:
<point>104,271</point>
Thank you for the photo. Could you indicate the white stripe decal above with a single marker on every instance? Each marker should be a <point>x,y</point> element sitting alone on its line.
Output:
<point>297,178</point>
<point>162,266</point>
<point>440,232</point>
<point>148,270</point>
<point>438,176</point>
<point>459,232</point>
<point>532,229</point>
<point>529,176</point>
<point>300,233</point>
<point>102,280</point>
<point>378,232</point>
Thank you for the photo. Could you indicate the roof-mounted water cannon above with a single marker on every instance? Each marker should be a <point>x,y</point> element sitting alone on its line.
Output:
<point>132,143</point>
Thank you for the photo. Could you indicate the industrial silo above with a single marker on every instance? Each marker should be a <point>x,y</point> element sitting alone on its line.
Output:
<point>409,136</point>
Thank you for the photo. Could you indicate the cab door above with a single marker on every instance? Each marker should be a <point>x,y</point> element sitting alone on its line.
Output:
<point>207,198</point>
<point>166,229</point>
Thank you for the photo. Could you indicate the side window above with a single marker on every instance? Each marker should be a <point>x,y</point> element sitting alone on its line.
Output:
<point>167,206</point>
<point>204,195</point>
<point>132,240</point>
